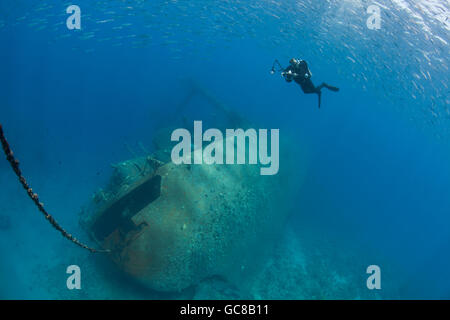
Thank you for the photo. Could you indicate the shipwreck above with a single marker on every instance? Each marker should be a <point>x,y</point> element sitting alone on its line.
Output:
<point>171,226</point>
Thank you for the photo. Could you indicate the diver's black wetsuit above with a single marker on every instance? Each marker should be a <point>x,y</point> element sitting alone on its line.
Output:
<point>299,72</point>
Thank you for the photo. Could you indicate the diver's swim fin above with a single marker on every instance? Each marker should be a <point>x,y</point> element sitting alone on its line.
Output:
<point>335,89</point>
<point>320,98</point>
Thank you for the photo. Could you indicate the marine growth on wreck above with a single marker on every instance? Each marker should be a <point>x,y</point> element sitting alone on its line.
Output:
<point>170,225</point>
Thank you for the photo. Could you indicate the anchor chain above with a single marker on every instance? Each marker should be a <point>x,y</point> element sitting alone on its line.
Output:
<point>35,198</point>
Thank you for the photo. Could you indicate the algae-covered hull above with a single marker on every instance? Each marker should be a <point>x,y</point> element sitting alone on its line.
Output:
<point>170,226</point>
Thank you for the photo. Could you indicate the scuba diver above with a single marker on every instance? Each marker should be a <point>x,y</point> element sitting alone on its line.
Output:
<point>299,72</point>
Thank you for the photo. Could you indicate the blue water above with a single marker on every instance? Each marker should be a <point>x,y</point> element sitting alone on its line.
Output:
<point>376,155</point>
